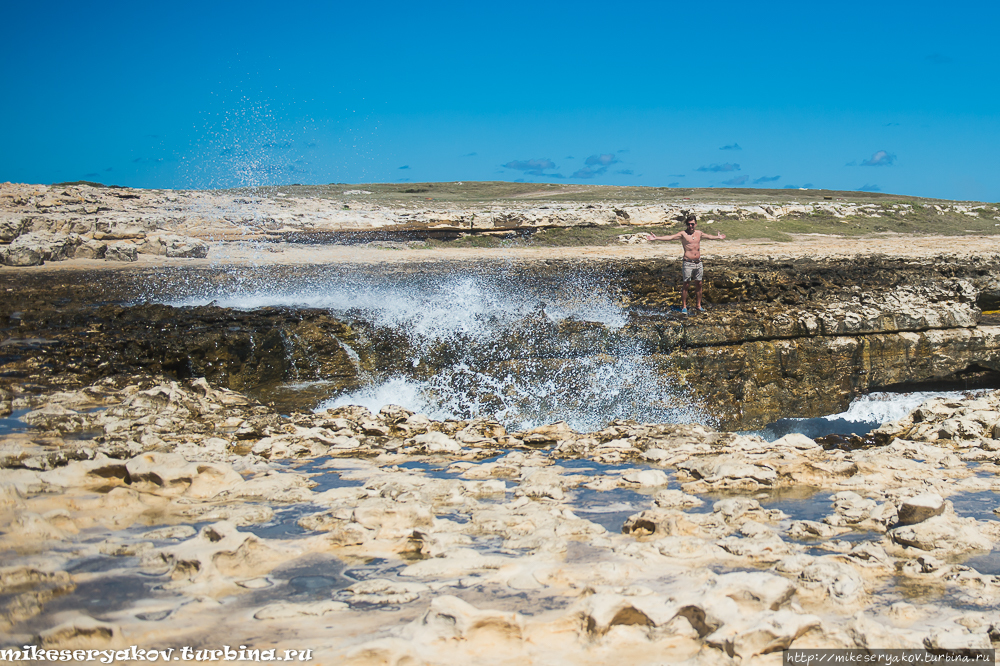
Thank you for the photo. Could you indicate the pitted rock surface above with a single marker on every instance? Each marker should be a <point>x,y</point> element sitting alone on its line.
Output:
<point>519,530</point>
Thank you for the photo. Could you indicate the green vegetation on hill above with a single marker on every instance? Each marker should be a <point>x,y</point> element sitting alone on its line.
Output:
<point>88,183</point>
<point>504,192</point>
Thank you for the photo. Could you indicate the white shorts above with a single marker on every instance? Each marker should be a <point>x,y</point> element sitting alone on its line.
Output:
<point>691,270</point>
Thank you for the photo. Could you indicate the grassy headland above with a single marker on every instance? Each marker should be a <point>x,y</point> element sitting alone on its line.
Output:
<point>731,211</point>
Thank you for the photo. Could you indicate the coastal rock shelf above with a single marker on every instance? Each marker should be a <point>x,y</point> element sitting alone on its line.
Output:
<point>795,339</point>
<point>389,537</point>
<point>170,474</point>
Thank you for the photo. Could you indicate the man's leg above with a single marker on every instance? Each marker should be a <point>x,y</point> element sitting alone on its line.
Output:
<point>698,288</point>
<point>684,295</point>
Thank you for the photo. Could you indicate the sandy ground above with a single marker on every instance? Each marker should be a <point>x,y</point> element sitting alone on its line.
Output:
<point>813,246</point>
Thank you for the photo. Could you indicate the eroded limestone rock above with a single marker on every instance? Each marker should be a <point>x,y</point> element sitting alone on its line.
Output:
<point>405,540</point>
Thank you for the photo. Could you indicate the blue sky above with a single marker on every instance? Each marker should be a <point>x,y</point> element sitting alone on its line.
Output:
<point>895,97</point>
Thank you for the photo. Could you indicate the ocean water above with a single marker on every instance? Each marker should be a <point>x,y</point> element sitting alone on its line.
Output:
<point>474,301</point>
<point>472,318</point>
<point>12,423</point>
<point>468,317</point>
<point>864,414</point>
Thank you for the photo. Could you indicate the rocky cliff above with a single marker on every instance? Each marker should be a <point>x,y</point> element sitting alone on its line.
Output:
<point>803,338</point>
<point>800,339</point>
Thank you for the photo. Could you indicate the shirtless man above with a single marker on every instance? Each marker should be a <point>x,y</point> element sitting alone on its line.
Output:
<point>691,268</point>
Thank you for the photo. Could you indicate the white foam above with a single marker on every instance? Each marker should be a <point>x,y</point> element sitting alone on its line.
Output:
<point>458,305</point>
<point>397,391</point>
<point>587,393</point>
<point>477,329</point>
<point>880,407</point>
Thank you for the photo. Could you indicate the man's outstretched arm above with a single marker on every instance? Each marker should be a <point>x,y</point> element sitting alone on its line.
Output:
<point>665,238</point>
<point>719,237</point>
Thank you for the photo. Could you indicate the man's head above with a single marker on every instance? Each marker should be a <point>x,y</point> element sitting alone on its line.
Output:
<point>690,221</point>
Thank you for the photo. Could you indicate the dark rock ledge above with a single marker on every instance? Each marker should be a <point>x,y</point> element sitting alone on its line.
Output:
<point>778,340</point>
